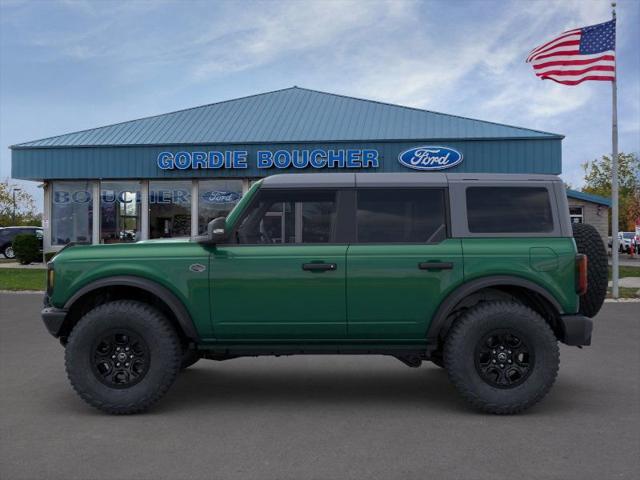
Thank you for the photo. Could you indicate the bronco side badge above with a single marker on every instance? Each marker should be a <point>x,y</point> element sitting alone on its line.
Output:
<point>197,267</point>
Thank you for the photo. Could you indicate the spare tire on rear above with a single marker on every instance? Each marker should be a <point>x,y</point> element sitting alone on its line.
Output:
<point>590,243</point>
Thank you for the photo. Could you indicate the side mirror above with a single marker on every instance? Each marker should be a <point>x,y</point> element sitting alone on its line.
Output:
<point>216,230</point>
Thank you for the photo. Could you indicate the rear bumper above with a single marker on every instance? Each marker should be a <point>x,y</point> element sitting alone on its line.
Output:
<point>53,319</point>
<point>576,330</point>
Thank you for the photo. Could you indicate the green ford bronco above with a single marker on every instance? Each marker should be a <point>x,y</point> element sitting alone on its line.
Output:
<point>480,274</point>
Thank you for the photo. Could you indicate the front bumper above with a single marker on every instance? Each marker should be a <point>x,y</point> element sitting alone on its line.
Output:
<point>53,319</point>
<point>576,330</point>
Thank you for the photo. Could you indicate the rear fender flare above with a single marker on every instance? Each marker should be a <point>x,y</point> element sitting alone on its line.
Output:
<point>441,321</point>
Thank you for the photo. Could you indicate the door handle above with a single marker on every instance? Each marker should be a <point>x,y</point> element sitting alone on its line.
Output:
<point>319,267</point>
<point>435,265</point>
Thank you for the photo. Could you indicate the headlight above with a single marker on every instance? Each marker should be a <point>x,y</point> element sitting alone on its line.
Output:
<point>51,275</point>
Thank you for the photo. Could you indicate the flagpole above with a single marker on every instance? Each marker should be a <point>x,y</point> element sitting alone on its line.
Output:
<point>614,177</point>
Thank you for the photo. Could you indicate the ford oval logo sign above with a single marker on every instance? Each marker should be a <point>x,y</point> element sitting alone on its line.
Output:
<point>430,158</point>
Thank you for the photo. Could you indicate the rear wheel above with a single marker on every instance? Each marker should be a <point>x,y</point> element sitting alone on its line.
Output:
<point>122,357</point>
<point>589,242</point>
<point>502,357</point>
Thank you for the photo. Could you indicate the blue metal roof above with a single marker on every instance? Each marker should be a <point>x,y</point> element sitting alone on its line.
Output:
<point>589,197</point>
<point>288,116</point>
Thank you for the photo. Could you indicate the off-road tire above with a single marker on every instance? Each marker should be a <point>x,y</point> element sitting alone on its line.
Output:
<point>160,338</point>
<point>189,357</point>
<point>460,356</point>
<point>590,243</point>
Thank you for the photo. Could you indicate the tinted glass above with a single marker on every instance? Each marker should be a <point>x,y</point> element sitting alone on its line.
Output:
<point>119,212</point>
<point>71,212</point>
<point>169,209</point>
<point>216,198</point>
<point>290,217</point>
<point>401,216</point>
<point>509,210</point>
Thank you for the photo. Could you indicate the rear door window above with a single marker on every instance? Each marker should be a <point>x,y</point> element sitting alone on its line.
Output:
<point>509,210</point>
<point>389,215</point>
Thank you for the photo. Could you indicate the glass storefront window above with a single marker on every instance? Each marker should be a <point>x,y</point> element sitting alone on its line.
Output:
<point>169,209</point>
<point>216,199</point>
<point>119,212</point>
<point>71,213</point>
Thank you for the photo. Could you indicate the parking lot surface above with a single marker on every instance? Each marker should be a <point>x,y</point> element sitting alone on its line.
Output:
<point>319,417</point>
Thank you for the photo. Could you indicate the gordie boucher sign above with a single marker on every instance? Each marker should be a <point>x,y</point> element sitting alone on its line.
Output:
<point>417,158</point>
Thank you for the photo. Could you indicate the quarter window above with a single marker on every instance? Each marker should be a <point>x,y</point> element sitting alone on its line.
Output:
<point>509,210</point>
<point>290,217</point>
<point>401,216</point>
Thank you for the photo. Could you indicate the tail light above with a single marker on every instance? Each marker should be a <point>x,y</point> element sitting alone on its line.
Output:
<point>581,274</point>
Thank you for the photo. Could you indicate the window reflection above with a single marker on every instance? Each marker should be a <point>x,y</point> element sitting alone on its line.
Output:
<point>216,199</point>
<point>119,212</point>
<point>169,209</point>
<point>71,213</point>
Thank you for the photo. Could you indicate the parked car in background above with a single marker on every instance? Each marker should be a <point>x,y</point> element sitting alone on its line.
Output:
<point>7,234</point>
<point>625,241</point>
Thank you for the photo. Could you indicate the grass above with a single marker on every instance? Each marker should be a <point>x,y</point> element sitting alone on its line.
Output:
<point>624,292</point>
<point>22,279</point>
<point>627,271</point>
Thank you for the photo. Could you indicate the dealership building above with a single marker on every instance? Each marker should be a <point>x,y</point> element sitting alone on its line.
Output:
<point>169,175</point>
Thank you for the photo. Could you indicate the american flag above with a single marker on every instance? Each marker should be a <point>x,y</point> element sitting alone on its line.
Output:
<point>587,53</point>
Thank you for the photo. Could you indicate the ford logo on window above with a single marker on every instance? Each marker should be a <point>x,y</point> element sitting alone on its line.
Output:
<point>220,197</point>
<point>430,158</point>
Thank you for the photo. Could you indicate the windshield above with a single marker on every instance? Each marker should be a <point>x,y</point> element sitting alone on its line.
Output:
<point>628,234</point>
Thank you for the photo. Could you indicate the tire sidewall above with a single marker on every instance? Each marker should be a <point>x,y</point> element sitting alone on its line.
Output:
<point>163,350</point>
<point>461,362</point>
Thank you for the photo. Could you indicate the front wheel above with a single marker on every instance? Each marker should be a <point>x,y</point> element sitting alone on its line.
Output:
<point>122,357</point>
<point>502,357</point>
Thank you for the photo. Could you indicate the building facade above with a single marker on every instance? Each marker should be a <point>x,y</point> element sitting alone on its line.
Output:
<point>169,175</point>
<point>591,209</point>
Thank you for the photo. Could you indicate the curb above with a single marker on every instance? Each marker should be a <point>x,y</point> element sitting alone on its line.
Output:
<point>622,300</point>
<point>24,292</point>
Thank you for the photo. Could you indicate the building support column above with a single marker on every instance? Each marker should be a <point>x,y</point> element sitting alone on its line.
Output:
<point>144,210</point>
<point>194,208</point>
<point>95,199</point>
<point>46,217</point>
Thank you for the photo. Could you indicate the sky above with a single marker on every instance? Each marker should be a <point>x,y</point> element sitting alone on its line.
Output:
<point>72,65</point>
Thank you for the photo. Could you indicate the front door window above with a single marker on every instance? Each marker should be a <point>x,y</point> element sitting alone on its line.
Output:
<point>290,217</point>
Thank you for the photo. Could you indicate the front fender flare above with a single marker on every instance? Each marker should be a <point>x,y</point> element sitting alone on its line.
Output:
<point>167,296</point>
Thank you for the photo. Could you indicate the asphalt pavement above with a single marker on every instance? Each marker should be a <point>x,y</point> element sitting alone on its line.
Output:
<point>319,417</point>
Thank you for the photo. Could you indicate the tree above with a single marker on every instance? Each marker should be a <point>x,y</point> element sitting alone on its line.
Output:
<point>597,180</point>
<point>25,207</point>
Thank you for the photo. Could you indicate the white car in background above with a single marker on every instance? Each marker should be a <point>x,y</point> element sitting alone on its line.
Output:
<point>625,241</point>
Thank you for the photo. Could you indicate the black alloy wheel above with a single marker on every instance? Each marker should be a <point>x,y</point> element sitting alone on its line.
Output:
<point>120,358</point>
<point>503,359</point>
